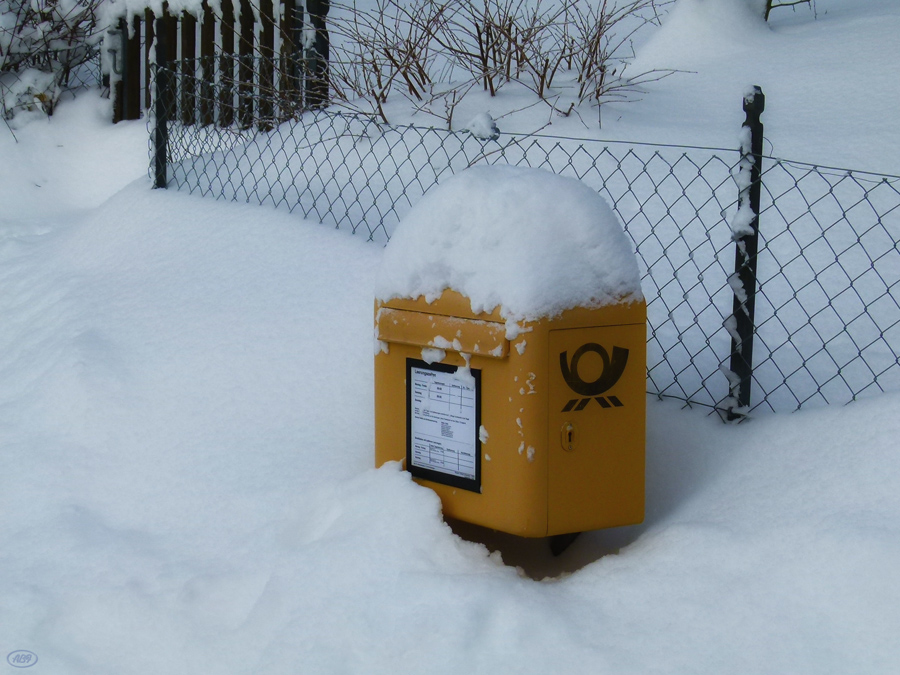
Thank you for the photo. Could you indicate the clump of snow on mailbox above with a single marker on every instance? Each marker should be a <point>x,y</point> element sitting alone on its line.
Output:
<point>526,240</point>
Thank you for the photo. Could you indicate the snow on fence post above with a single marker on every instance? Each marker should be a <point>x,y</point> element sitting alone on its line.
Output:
<point>745,232</point>
<point>149,37</point>
<point>117,54</point>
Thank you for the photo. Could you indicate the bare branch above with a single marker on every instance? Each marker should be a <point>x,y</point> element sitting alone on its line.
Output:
<point>407,48</point>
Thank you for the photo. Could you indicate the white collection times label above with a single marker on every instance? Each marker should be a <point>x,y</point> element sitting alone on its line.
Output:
<point>443,423</point>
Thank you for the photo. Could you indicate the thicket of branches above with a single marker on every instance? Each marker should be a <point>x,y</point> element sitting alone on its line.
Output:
<point>41,43</point>
<point>567,52</point>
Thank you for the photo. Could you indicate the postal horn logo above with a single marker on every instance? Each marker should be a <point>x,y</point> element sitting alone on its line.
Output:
<point>612,371</point>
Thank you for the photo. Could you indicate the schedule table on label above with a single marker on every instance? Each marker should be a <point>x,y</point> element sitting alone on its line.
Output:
<point>443,423</point>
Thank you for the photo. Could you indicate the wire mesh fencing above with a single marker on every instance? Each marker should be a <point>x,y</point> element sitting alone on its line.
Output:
<point>827,316</point>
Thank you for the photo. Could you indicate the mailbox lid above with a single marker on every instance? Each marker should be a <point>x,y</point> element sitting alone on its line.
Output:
<point>450,333</point>
<point>450,303</point>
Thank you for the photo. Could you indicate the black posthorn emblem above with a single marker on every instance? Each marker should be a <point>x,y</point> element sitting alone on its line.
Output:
<point>612,371</point>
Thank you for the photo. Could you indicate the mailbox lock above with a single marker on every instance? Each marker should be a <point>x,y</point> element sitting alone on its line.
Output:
<point>567,436</point>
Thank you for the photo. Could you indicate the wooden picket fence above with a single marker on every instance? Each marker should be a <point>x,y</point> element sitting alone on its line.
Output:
<point>225,58</point>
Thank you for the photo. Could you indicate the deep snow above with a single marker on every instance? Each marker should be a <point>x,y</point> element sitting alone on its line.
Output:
<point>186,436</point>
<point>525,241</point>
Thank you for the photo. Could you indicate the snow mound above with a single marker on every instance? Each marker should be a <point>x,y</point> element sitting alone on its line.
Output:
<point>484,127</point>
<point>526,240</point>
<point>716,28</point>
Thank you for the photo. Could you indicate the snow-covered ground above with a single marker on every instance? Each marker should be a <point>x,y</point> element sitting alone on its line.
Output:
<point>186,434</point>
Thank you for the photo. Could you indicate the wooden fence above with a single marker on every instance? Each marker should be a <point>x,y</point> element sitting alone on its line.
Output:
<point>225,59</point>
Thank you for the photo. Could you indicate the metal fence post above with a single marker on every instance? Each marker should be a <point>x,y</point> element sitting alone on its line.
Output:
<point>745,230</point>
<point>161,108</point>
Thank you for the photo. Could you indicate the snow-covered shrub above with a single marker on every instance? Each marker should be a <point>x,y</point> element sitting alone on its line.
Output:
<point>41,42</point>
<point>28,90</point>
<point>567,52</point>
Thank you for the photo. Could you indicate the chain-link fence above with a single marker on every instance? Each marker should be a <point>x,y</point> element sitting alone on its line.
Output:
<point>828,306</point>
<point>827,315</point>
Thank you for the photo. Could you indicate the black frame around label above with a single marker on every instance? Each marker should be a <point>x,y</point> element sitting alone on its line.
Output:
<point>430,474</point>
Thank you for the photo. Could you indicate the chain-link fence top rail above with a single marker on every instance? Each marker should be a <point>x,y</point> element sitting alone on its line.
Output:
<point>827,313</point>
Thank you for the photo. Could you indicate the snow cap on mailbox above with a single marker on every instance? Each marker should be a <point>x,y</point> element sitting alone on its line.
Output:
<point>525,240</point>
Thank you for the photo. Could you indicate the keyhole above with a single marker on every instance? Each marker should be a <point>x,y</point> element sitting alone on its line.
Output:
<point>567,437</point>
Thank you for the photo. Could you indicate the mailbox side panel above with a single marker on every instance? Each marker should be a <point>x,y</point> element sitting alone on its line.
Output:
<point>596,430</point>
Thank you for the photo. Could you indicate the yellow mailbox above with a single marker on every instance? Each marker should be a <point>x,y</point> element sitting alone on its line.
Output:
<point>531,426</point>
